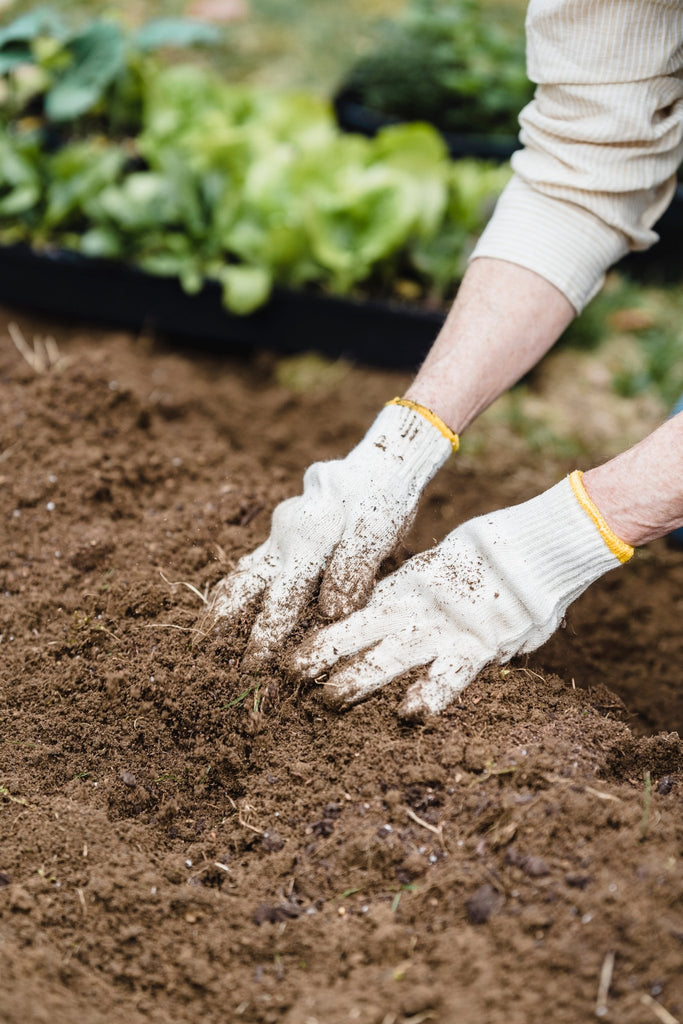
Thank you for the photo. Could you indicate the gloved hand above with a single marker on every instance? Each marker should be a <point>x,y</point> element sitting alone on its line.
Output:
<point>350,516</point>
<point>497,586</point>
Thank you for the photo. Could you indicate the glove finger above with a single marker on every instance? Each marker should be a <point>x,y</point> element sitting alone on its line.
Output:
<point>237,591</point>
<point>361,630</point>
<point>350,576</point>
<point>371,670</point>
<point>284,605</point>
<point>441,684</point>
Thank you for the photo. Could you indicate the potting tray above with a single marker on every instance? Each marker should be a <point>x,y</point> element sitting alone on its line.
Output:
<point>103,291</point>
<point>353,116</point>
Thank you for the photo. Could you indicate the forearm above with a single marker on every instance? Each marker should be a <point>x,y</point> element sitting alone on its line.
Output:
<point>602,140</point>
<point>504,319</point>
<point>640,492</point>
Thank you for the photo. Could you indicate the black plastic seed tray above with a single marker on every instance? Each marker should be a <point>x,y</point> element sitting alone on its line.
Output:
<point>69,285</point>
<point>353,116</point>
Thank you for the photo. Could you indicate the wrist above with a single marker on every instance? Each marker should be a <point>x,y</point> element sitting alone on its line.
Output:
<point>427,413</point>
<point>565,537</point>
<point>407,444</point>
<point>551,548</point>
<point>627,519</point>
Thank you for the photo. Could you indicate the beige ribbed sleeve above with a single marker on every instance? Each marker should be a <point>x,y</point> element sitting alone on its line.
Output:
<point>602,140</point>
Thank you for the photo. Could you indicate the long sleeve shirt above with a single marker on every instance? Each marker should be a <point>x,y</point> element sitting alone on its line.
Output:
<point>602,138</point>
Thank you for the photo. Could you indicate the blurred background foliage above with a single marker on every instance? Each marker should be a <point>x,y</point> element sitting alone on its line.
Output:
<point>287,43</point>
<point>628,344</point>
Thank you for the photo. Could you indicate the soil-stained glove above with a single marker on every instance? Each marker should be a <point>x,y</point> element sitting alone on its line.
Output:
<point>497,586</point>
<point>350,516</point>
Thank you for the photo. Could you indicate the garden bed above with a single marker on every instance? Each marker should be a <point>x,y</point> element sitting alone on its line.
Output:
<point>180,842</point>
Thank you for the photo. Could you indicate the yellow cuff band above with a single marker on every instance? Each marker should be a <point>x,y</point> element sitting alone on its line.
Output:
<point>618,547</point>
<point>432,418</point>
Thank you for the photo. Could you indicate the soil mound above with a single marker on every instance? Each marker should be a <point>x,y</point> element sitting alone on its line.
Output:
<point>180,841</point>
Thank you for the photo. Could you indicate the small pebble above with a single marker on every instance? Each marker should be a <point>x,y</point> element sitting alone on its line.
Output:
<point>482,904</point>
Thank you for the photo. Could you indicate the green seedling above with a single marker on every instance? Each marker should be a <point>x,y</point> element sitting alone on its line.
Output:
<point>22,801</point>
<point>410,887</point>
<point>347,892</point>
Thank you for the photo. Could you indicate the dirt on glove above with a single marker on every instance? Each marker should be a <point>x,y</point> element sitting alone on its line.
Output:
<point>182,842</point>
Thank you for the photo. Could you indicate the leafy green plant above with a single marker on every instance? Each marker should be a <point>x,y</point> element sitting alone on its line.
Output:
<point>661,370</point>
<point>77,72</point>
<point>451,62</point>
<point>245,186</point>
<point>652,319</point>
<point>16,39</point>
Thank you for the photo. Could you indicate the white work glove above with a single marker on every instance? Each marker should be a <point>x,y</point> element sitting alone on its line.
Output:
<point>350,517</point>
<point>497,586</point>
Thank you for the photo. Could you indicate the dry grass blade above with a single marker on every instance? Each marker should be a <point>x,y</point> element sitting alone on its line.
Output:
<point>604,983</point>
<point>240,817</point>
<point>172,625</point>
<point>660,1012</point>
<point>602,796</point>
<point>42,355</point>
<point>436,829</point>
<point>5,454</point>
<point>190,586</point>
<point>24,349</point>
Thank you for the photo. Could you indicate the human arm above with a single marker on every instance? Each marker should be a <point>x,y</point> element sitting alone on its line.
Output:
<point>640,492</point>
<point>602,140</point>
<point>353,511</point>
<point>554,233</point>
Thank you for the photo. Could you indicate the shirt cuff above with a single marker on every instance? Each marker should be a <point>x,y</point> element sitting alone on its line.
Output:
<point>560,241</point>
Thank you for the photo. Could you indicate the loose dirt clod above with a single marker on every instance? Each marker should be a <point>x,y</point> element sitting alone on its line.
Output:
<point>484,902</point>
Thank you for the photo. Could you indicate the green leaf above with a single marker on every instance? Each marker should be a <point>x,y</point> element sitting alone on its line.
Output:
<point>76,174</point>
<point>20,186</point>
<point>244,288</point>
<point>142,202</point>
<point>16,38</point>
<point>42,21</point>
<point>177,32</point>
<point>13,56</point>
<point>101,243</point>
<point>97,57</point>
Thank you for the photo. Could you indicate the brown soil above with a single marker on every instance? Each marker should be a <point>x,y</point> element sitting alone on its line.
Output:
<point>179,842</point>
